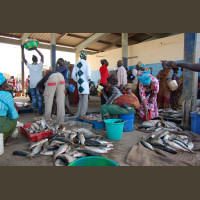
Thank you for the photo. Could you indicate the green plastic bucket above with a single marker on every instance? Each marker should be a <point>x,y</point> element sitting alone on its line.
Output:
<point>31,44</point>
<point>114,130</point>
<point>93,161</point>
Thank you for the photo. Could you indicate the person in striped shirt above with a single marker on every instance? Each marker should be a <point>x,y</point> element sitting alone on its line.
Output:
<point>8,113</point>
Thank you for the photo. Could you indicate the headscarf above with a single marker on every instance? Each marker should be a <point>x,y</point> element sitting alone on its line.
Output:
<point>140,64</point>
<point>144,78</point>
<point>2,79</point>
<point>83,55</point>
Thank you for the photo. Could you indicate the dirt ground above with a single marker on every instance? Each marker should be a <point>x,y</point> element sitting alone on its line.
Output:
<point>118,154</point>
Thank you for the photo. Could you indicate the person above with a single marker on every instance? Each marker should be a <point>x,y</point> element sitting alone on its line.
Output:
<point>121,74</point>
<point>104,75</point>
<point>164,92</point>
<point>175,77</point>
<point>28,91</point>
<point>111,107</point>
<point>148,90</point>
<point>82,74</point>
<point>8,113</point>
<point>35,70</point>
<point>53,83</point>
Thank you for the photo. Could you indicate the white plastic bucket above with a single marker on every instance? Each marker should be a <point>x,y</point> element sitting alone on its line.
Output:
<point>173,85</point>
<point>1,144</point>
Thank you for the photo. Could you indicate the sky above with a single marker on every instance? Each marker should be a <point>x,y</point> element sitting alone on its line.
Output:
<point>10,58</point>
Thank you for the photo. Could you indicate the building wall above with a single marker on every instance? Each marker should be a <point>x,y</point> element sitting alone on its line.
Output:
<point>150,53</point>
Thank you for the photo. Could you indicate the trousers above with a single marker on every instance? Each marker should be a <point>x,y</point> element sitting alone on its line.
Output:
<point>37,100</point>
<point>83,104</point>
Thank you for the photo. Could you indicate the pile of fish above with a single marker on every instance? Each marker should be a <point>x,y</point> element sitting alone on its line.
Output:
<point>170,115</point>
<point>157,125</point>
<point>67,145</point>
<point>38,127</point>
<point>93,117</point>
<point>168,142</point>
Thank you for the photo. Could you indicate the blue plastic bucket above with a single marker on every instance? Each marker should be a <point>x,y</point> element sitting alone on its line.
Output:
<point>195,121</point>
<point>93,161</point>
<point>114,131</point>
<point>129,121</point>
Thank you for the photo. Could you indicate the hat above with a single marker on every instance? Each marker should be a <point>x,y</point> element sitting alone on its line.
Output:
<point>83,55</point>
<point>71,88</point>
<point>2,78</point>
<point>144,78</point>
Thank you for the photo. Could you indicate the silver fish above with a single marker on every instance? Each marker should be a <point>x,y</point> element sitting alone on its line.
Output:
<point>72,136</point>
<point>147,145</point>
<point>47,153</point>
<point>63,148</point>
<point>81,138</point>
<point>162,134</point>
<point>33,128</point>
<point>182,145</point>
<point>59,163</point>
<point>35,151</point>
<point>36,126</point>
<point>85,131</point>
<point>38,143</point>
<point>175,145</point>
<point>69,158</point>
<point>98,149</point>
<point>77,154</point>
<point>190,145</point>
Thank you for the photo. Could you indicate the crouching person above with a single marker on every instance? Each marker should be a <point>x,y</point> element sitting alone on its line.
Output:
<point>8,113</point>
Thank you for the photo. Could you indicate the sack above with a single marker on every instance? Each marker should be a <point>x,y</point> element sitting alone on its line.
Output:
<point>173,85</point>
<point>129,99</point>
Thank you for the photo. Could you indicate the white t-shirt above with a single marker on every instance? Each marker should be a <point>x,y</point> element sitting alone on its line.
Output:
<point>134,72</point>
<point>35,73</point>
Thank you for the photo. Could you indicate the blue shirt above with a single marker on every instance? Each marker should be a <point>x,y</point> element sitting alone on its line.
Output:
<point>63,70</point>
<point>7,105</point>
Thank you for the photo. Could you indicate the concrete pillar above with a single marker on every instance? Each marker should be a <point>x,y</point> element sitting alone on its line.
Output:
<point>53,51</point>
<point>77,55</point>
<point>22,72</point>
<point>190,78</point>
<point>125,49</point>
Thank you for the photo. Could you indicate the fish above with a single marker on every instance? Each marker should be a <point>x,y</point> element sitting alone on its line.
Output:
<point>35,151</point>
<point>38,143</point>
<point>59,163</point>
<point>99,137</point>
<point>81,138</point>
<point>147,145</point>
<point>76,154</point>
<point>170,150</point>
<point>162,134</point>
<point>98,149</point>
<point>53,147</point>
<point>72,136</point>
<point>92,143</point>
<point>56,142</point>
<point>36,126</point>
<point>21,153</point>
<point>89,152</point>
<point>45,145</point>
<point>33,128</point>
<point>68,158</point>
<point>175,145</point>
<point>85,131</point>
<point>190,145</point>
<point>61,139</point>
<point>63,148</point>
<point>47,153</point>
<point>182,145</point>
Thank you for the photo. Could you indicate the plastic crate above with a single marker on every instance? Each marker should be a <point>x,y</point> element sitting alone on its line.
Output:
<point>26,110</point>
<point>195,122</point>
<point>35,136</point>
<point>96,124</point>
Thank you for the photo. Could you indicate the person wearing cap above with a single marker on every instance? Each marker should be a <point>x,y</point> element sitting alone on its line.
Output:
<point>121,74</point>
<point>148,90</point>
<point>8,113</point>
<point>35,70</point>
<point>82,74</point>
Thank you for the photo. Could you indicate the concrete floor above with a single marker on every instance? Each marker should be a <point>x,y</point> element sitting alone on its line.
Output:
<point>118,154</point>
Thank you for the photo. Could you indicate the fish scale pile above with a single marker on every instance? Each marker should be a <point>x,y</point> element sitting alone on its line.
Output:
<point>168,142</point>
<point>66,146</point>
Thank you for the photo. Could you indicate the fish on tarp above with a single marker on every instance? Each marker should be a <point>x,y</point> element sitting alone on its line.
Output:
<point>38,143</point>
<point>164,148</point>
<point>175,145</point>
<point>147,145</point>
<point>182,145</point>
<point>21,153</point>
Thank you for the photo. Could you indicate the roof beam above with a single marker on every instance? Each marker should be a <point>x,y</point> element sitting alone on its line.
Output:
<point>24,36</point>
<point>158,35</point>
<point>61,36</point>
<point>90,40</point>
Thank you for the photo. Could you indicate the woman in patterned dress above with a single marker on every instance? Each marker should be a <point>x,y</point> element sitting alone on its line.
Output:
<point>148,90</point>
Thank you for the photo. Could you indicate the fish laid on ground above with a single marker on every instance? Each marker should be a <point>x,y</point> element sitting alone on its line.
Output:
<point>98,149</point>
<point>59,163</point>
<point>35,151</point>
<point>62,139</point>
<point>89,152</point>
<point>72,136</point>
<point>63,148</point>
<point>81,138</point>
<point>21,153</point>
<point>147,145</point>
<point>92,143</point>
<point>77,154</point>
<point>190,145</point>
<point>47,153</point>
<point>38,143</point>
<point>66,158</point>
<point>53,147</point>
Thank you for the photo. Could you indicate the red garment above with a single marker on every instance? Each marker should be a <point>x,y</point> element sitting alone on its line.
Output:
<point>104,74</point>
<point>14,83</point>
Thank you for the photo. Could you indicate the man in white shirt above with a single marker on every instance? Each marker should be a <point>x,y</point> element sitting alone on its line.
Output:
<point>35,70</point>
<point>121,74</point>
<point>82,75</point>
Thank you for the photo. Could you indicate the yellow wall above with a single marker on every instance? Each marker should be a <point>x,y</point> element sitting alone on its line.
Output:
<point>169,48</point>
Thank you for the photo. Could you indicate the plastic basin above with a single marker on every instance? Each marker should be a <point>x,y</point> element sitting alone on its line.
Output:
<point>114,130</point>
<point>31,44</point>
<point>93,161</point>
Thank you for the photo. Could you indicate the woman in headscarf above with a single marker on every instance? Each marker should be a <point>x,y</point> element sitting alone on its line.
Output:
<point>165,92</point>
<point>112,108</point>
<point>148,90</point>
<point>8,113</point>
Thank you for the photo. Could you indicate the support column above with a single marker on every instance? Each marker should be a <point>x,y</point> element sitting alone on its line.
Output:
<point>77,55</point>
<point>125,49</point>
<point>53,51</point>
<point>22,73</point>
<point>190,78</point>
